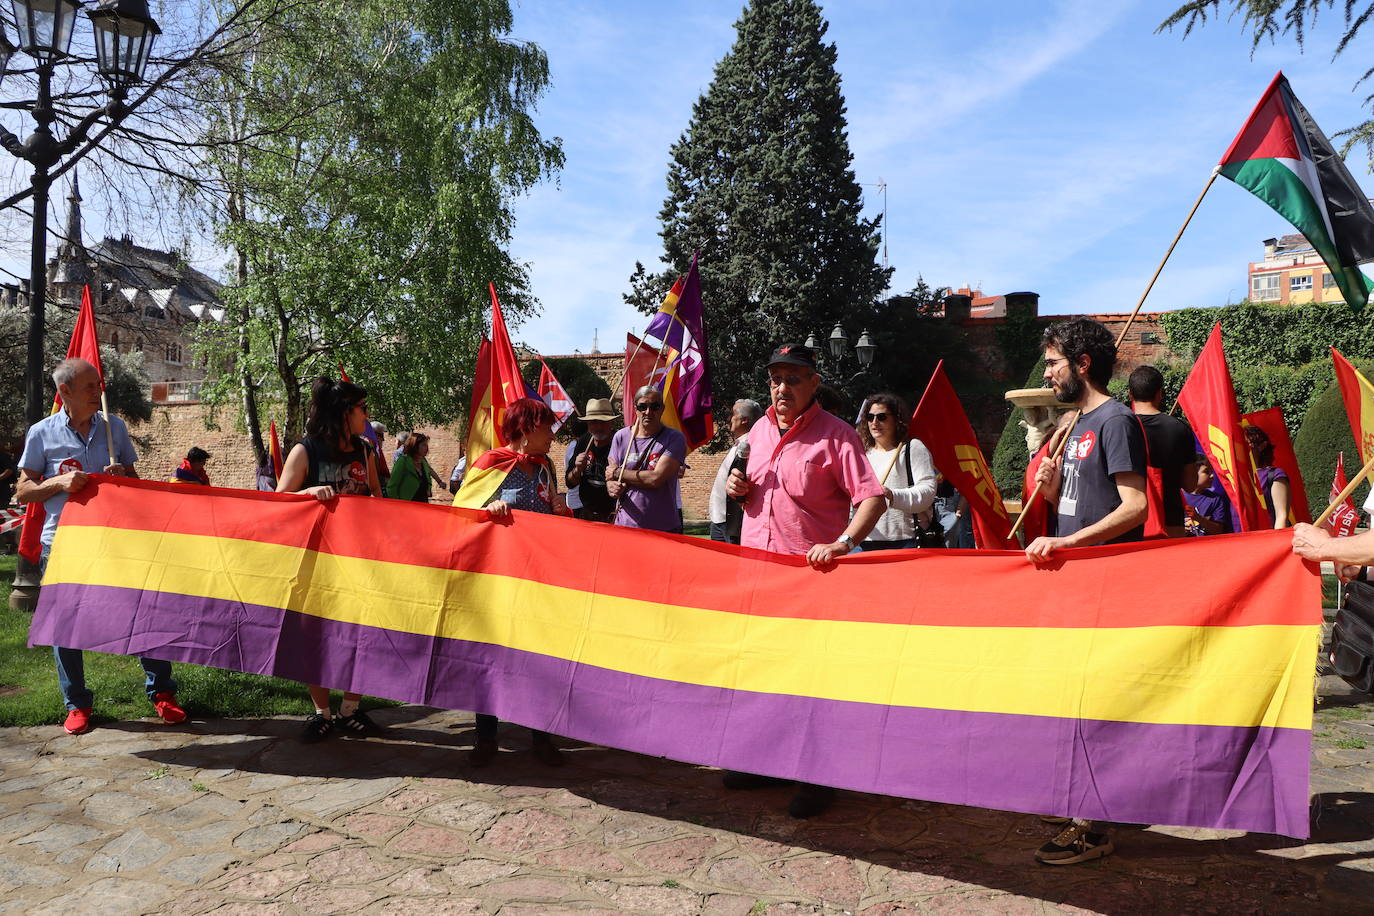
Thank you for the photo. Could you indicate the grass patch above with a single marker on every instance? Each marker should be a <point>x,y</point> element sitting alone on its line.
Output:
<point>117,682</point>
<point>1351,744</point>
<point>1345,712</point>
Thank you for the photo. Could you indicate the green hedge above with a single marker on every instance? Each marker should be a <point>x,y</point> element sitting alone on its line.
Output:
<point>1009,459</point>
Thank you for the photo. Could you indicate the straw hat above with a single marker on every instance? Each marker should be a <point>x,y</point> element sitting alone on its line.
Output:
<point>599,409</point>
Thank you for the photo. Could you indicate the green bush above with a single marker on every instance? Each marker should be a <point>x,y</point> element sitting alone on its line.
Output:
<point>1009,459</point>
<point>1325,431</point>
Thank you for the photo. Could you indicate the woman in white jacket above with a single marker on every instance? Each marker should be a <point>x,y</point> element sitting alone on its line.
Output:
<point>903,467</point>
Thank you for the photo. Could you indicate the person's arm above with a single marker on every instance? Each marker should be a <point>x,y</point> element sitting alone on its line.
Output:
<point>1312,543</point>
<point>374,483</point>
<point>866,515</point>
<point>1279,491</point>
<point>921,493</point>
<point>663,472</point>
<point>1130,488</point>
<point>1208,525</point>
<point>33,490</point>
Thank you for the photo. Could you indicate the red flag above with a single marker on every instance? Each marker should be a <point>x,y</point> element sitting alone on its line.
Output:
<point>83,345</point>
<point>1271,421</point>
<point>1037,514</point>
<point>1358,395</point>
<point>941,424</point>
<point>343,376</point>
<point>643,366</point>
<point>1344,518</point>
<point>275,448</point>
<point>497,384</point>
<point>552,392</point>
<point>1210,402</point>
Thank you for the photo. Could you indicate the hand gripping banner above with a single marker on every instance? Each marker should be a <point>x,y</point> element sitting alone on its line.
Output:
<point>1168,682</point>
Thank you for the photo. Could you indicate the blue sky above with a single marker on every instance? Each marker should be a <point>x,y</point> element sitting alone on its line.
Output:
<point>1052,147</point>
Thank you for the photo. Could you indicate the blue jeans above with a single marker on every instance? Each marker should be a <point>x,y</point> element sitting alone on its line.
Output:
<point>71,669</point>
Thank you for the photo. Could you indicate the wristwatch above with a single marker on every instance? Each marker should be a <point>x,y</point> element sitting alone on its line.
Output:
<point>846,540</point>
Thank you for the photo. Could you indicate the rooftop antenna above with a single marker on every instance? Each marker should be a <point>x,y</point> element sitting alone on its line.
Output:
<point>596,347</point>
<point>882,189</point>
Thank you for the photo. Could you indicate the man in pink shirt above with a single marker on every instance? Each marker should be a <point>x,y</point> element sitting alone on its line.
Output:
<point>807,469</point>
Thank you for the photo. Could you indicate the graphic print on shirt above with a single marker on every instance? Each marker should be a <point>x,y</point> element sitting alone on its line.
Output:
<point>346,474</point>
<point>71,464</point>
<point>1073,456</point>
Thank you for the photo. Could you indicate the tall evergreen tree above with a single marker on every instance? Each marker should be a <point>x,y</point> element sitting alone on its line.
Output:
<point>761,184</point>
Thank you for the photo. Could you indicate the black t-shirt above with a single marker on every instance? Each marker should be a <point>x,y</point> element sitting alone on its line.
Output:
<point>592,488</point>
<point>1172,448</point>
<point>346,471</point>
<point>1107,440</point>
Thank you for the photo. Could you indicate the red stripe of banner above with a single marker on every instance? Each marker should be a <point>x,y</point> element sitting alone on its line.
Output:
<point>1123,585</point>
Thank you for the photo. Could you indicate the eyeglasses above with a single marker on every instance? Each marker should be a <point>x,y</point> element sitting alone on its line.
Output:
<point>646,407</point>
<point>791,381</point>
<point>878,417</point>
<point>1057,359</point>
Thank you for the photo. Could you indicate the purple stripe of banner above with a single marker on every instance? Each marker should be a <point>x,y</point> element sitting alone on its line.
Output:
<point>1205,776</point>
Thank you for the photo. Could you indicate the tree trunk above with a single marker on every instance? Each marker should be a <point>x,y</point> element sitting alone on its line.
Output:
<point>247,386</point>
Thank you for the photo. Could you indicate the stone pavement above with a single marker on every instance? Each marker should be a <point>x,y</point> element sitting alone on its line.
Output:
<point>236,816</point>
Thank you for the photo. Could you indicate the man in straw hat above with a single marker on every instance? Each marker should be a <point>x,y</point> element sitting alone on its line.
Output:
<point>586,463</point>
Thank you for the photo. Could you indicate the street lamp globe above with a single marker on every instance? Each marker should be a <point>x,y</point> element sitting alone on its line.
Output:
<point>45,27</point>
<point>124,34</point>
<point>865,349</point>
<point>811,343</point>
<point>838,342</point>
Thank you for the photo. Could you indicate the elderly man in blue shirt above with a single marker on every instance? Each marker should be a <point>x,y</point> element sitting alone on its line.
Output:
<point>59,452</point>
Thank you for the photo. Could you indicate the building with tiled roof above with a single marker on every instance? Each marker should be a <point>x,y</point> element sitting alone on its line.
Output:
<point>1292,273</point>
<point>146,300</point>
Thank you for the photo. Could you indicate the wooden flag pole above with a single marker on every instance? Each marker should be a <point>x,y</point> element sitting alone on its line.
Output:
<point>1124,329</point>
<point>1058,450</point>
<point>1345,494</point>
<point>890,465</point>
<point>109,433</point>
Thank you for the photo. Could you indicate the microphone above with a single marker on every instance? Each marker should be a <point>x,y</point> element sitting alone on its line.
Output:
<point>741,462</point>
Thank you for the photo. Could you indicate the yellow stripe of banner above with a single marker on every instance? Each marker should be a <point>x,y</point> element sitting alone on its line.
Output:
<point>1212,679</point>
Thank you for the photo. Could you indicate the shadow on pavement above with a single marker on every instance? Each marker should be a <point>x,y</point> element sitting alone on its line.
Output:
<point>1160,870</point>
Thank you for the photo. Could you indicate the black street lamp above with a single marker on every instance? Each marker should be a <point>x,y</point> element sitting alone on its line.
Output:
<point>838,345</point>
<point>124,34</point>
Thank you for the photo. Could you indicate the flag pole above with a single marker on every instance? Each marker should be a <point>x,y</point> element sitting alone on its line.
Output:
<point>1345,494</point>
<point>109,433</point>
<point>890,465</point>
<point>1216,170</point>
<point>1058,450</point>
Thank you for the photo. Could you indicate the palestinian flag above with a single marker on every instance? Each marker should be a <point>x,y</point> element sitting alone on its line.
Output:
<point>1283,158</point>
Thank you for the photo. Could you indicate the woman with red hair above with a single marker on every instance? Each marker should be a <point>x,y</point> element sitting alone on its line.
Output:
<point>520,476</point>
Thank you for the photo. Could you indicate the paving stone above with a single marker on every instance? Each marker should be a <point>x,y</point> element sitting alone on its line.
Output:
<point>197,868</point>
<point>23,783</point>
<point>16,872</point>
<point>315,842</point>
<point>207,806</point>
<point>830,878</point>
<point>264,885</point>
<point>75,787</point>
<point>473,872</point>
<point>584,857</point>
<point>430,841</point>
<point>661,901</point>
<point>410,799</point>
<point>468,816</point>
<point>107,897</point>
<point>421,881</point>
<point>333,798</point>
<point>214,834</point>
<point>267,836</point>
<point>531,888</point>
<point>622,829</point>
<point>267,814</point>
<point>325,900</point>
<point>22,822</point>
<point>728,905</point>
<point>116,807</point>
<point>251,909</point>
<point>524,831</point>
<point>350,865</point>
<point>373,826</point>
<point>130,851</point>
<point>165,788</point>
<point>428,906</point>
<point>56,837</point>
<point>740,874</point>
<point>676,857</point>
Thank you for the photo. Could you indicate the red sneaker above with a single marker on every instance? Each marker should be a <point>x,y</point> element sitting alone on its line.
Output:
<point>168,710</point>
<point>78,721</point>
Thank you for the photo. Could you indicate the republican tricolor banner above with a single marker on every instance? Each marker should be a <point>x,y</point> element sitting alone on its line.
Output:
<point>1092,687</point>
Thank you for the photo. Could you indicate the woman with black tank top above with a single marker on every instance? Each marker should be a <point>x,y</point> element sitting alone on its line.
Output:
<point>333,460</point>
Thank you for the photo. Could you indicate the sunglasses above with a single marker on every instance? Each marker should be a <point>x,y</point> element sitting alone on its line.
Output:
<point>789,380</point>
<point>877,417</point>
<point>645,407</point>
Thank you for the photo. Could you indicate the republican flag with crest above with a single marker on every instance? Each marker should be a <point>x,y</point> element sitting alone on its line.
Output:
<point>1344,518</point>
<point>552,393</point>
